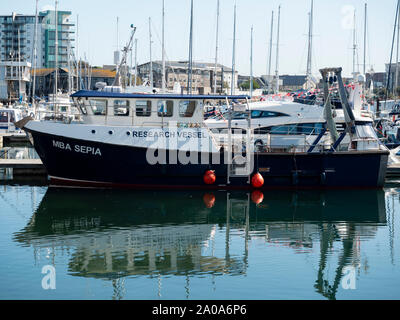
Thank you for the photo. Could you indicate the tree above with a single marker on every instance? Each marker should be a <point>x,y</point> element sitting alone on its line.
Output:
<point>246,85</point>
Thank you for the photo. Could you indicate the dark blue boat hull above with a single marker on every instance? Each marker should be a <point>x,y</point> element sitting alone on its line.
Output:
<point>125,166</point>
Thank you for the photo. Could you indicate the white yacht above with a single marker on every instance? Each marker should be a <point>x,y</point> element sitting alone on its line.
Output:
<point>283,123</point>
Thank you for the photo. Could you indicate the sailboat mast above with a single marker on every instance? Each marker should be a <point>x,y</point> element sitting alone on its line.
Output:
<point>190,69</point>
<point>397,54</point>
<point>365,38</point>
<point>35,56</point>
<point>309,56</point>
<point>151,61</point>
<point>277,54</point>
<point>136,62</point>
<point>354,44</point>
<point>19,66</point>
<point>270,53</point>
<point>163,47</point>
<point>69,67</point>
<point>78,70</point>
<point>233,52</point>
<point>216,51</point>
<point>251,63</point>
<point>56,52</point>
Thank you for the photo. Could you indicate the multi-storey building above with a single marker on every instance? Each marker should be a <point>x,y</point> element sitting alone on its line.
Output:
<point>17,35</point>
<point>202,76</point>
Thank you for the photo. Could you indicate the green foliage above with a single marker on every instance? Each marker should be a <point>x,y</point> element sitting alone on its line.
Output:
<point>246,85</point>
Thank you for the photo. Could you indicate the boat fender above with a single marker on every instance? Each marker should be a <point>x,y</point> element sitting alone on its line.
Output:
<point>257,181</point>
<point>209,177</point>
<point>209,200</point>
<point>257,196</point>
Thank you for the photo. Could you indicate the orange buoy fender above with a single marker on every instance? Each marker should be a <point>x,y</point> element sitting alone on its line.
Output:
<point>257,181</point>
<point>209,177</point>
<point>209,200</point>
<point>257,196</point>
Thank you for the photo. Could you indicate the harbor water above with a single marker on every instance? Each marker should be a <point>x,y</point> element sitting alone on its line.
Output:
<point>115,244</point>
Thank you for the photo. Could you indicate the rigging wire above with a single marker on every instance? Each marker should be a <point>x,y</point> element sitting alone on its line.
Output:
<point>391,51</point>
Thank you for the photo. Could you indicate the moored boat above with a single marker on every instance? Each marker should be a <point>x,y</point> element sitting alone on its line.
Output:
<point>160,140</point>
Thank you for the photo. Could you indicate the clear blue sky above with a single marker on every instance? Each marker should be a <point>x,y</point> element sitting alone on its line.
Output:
<point>332,30</point>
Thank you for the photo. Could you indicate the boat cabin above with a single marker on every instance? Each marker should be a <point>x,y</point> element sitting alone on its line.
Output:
<point>146,110</point>
<point>7,119</point>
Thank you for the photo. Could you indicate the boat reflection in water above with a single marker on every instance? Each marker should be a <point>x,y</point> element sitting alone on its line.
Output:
<point>116,234</point>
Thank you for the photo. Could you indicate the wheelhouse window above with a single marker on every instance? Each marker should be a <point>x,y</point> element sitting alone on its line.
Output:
<point>99,107</point>
<point>143,108</point>
<point>81,106</point>
<point>165,108</point>
<point>187,108</point>
<point>121,108</point>
<point>6,116</point>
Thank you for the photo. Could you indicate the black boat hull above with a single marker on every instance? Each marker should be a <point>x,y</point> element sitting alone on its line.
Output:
<point>92,164</point>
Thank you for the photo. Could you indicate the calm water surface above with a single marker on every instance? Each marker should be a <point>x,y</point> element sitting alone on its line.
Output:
<point>197,245</point>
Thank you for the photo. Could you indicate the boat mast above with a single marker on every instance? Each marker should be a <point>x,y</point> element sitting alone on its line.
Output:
<point>309,57</point>
<point>190,69</point>
<point>277,54</point>
<point>396,20</point>
<point>251,63</point>
<point>163,83</point>
<point>365,37</point>
<point>69,67</point>
<point>35,57</point>
<point>354,45</point>
<point>131,68</point>
<point>19,66</point>
<point>397,55</point>
<point>136,62</point>
<point>56,53</point>
<point>216,51</point>
<point>151,61</point>
<point>233,51</point>
<point>270,53</point>
<point>78,66</point>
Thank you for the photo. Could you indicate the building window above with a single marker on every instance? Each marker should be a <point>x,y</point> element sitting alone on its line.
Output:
<point>165,108</point>
<point>121,108</point>
<point>187,108</point>
<point>143,108</point>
